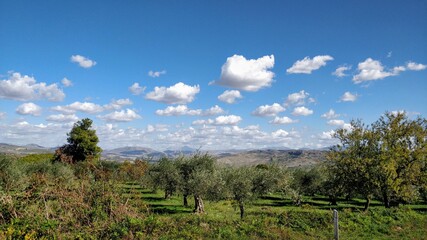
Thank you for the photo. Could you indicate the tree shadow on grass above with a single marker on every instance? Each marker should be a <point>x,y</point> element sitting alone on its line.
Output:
<point>168,209</point>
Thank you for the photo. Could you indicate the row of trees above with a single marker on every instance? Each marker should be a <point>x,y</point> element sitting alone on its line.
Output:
<point>199,176</point>
<point>385,160</point>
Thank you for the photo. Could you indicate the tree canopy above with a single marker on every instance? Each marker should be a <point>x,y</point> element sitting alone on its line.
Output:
<point>82,144</point>
<point>386,159</point>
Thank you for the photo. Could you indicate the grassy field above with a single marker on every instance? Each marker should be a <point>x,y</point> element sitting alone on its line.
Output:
<point>272,217</point>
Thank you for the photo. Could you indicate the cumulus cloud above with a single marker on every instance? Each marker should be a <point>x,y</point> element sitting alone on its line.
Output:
<point>268,110</point>
<point>297,98</point>
<point>340,71</point>
<point>230,96</point>
<point>178,111</point>
<point>83,61</point>
<point>176,94</point>
<point>247,74</point>
<point>415,66</point>
<point>308,65</point>
<point>215,110</point>
<point>66,82</point>
<point>29,109</point>
<point>302,111</point>
<point>339,123</point>
<point>2,115</point>
<point>86,107</point>
<point>62,118</point>
<point>121,116</point>
<point>26,88</point>
<point>118,104</point>
<point>280,133</point>
<point>135,89</point>
<point>155,74</point>
<point>220,120</point>
<point>328,135</point>
<point>282,120</point>
<point>330,114</point>
<point>370,70</point>
<point>348,97</point>
<point>157,128</point>
<point>227,120</point>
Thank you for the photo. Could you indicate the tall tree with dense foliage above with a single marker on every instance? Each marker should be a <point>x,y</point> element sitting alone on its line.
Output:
<point>386,159</point>
<point>354,161</point>
<point>402,156</point>
<point>82,144</point>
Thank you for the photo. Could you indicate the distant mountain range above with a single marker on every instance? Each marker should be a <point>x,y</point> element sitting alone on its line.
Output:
<point>282,156</point>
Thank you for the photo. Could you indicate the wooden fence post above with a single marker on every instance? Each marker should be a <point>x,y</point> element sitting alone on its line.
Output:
<point>336,233</point>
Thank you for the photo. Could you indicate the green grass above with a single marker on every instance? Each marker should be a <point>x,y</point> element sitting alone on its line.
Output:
<point>272,217</point>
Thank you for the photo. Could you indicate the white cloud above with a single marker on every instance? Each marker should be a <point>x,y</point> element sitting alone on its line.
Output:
<point>215,110</point>
<point>118,104</point>
<point>370,70</point>
<point>330,114</point>
<point>348,97</point>
<point>280,133</point>
<point>121,116</point>
<point>155,74</point>
<point>176,94</point>
<point>327,135</point>
<point>83,61</point>
<point>135,89</point>
<point>415,66</point>
<point>336,122</point>
<point>26,88</point>
<point>249,75</point>
<point>20,133</point>
<point>157,128</point>
<point>230,96</point>
<point>2,115</point>
<point>297,98</point>
<point>179,111</point>
<point>29,109</point>
<point>86,107</point>
<point>203,122</point>
<point>339,72</point>
<point>227,120</point>
<point>268,110</point>
<point>220,120</point>
<point>302,111</point>
<point>308,65</point>
<point>62,118</point>
<point>389,54</point>
<point>282,120</point>
<point>339,123</point>
<point>66,82</point>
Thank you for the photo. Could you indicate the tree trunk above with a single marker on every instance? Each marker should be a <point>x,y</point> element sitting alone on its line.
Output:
<point>386,200</point>
<point>198,205</point>
<point>242,209</point>
<point>333,200</point>
<point>185,200</point>
<point>368,201</point>
<point>167,194</point>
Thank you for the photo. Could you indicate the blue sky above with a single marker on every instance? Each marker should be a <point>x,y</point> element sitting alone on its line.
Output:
<point>207,74</point>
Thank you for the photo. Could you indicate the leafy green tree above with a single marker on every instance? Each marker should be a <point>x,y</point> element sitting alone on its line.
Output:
<point>355,160</point>
<point>167,176</point>
<point>387,158</point>
<point>82,144</point>
<point>196,178</point>
<point>402,156</point>
<point>239,182</point>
